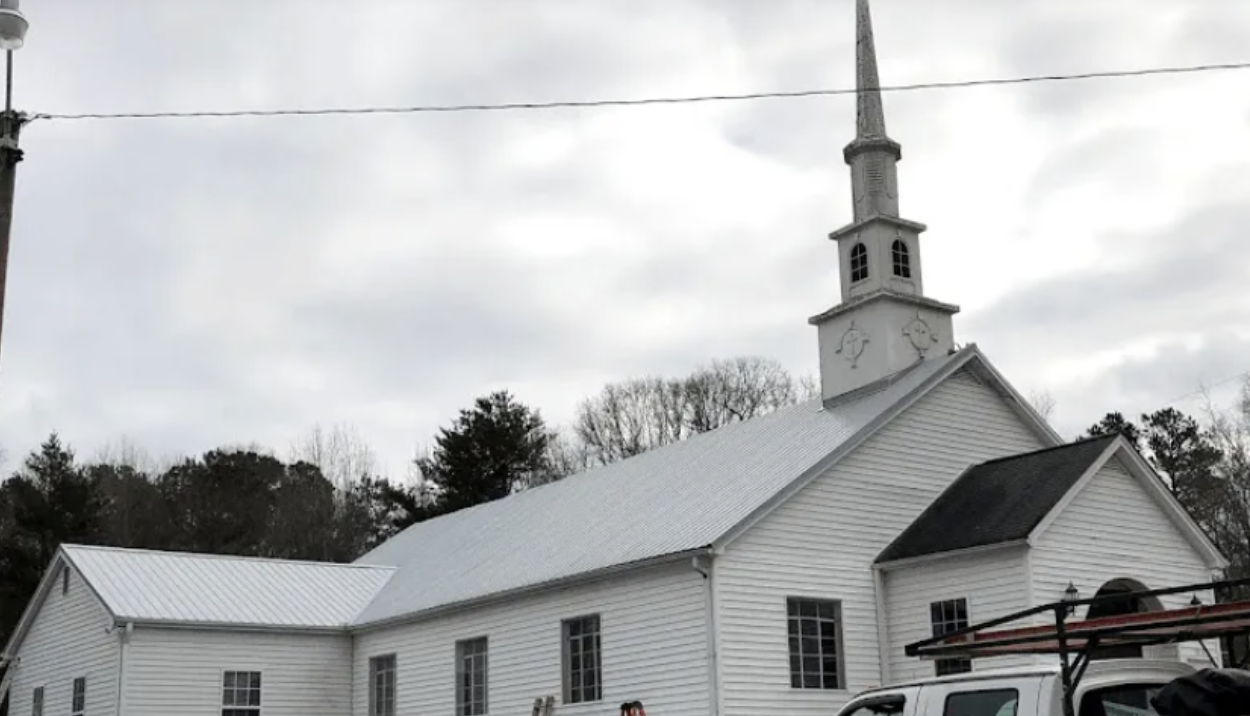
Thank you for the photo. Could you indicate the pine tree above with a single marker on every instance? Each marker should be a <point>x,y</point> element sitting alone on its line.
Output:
<point>490,451</point>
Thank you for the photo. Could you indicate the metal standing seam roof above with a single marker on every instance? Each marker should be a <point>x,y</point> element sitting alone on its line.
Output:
<point>179,587</point>
<point>678,498</point>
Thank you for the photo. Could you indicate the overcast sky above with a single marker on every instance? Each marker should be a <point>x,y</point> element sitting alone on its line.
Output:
<point>188,283</point>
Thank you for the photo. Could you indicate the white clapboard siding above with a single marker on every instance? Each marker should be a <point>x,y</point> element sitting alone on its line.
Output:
<point>177,671</point>
<point>822,543</point>
<point>67,640</point>
<point>1113,529</point>
<point>654,648</point>
<point>994,582</point>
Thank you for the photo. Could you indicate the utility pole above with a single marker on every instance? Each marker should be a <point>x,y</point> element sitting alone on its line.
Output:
<point>13,26</point>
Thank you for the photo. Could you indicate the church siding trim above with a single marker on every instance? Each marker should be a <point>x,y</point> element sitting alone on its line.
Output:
<point>654,644</point>
<point>823,540</point>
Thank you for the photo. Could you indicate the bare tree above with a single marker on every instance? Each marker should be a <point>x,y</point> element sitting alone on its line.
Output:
<point>1227,509</point>
<point>809,387</point>
<point>640,414</point>
<point>1043,402</point>
<point>342,455</point>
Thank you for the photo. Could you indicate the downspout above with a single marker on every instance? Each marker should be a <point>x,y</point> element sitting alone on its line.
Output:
<point>704,565</point>
<point>123,639</point>
<point>883,626</point>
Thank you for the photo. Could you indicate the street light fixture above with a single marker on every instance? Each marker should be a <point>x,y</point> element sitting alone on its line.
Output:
<point>13,26</point>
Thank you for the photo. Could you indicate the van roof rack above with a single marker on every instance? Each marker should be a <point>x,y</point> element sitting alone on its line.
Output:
<point>1076,641</point>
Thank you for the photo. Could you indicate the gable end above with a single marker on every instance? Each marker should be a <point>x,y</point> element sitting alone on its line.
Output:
<point>1149,480</point>
<point>51,584</point>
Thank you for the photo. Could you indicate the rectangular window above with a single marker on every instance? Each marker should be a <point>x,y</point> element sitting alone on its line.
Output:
<point>382,685</point>
<point>815,629</point>
<point>1000,702</point>
<point>36,703</point>
<point>240,693</point>
<point>471,677</point>
<point>80,697</point>
<point>948,616</point>
<point>583,670</point>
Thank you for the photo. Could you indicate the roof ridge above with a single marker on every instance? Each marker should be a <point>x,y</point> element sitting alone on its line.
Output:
<point>69,546</point>
<point>1052,448</point>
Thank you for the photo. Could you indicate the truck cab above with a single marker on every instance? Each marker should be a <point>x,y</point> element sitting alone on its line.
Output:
<point>1115,687</point>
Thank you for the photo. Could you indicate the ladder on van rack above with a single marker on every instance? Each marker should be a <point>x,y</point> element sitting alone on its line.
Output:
<point>1076,642</point>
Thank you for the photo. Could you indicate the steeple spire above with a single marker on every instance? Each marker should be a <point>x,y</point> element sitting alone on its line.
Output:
<point>885,324</point>
<point>873,156</point>
<point>870,115</point>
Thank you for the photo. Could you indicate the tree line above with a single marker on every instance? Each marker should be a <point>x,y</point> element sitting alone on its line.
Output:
<point>327,501</point>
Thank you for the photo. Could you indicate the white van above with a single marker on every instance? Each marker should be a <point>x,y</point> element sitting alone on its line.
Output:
<point>1115,687</point>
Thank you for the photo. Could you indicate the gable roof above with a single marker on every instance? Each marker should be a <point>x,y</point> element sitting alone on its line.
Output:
<point>147,586</point>
<point>998,501</point>
<point>667,503</point>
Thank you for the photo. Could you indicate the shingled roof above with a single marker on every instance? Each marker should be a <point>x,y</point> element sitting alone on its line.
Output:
<point>997,501</point>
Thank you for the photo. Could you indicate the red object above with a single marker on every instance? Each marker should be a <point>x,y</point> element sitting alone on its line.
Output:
<point>1195,623</point>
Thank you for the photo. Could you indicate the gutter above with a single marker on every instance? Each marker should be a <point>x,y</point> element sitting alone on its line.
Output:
<point>528,590</point>
<point>952,554</point>
<point>341,630</point>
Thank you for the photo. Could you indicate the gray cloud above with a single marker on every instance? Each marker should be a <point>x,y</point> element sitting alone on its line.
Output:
<point>189,283</point>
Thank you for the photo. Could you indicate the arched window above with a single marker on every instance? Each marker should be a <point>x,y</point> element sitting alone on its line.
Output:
<point>902,259</point>
<point>859,263</point>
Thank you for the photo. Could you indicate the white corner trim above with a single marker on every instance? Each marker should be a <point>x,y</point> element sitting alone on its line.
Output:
<point>1030,583</point>
<point>883,625</point>
<point>1061,506</point>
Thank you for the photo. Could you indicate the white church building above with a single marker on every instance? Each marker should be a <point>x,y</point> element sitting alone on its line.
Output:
<point>772,567</point>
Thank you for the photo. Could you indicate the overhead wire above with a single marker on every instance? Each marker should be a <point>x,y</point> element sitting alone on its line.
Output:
<point>522,106</point>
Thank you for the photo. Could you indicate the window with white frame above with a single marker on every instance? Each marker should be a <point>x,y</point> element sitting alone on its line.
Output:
<point>948,616</point>
<point>382,685</point>
<point>79,701</point>
<point>240,693</point>
<point>471,669</point>
<point>815,630</point>
<point>36,702</point>
<point>583,669</point>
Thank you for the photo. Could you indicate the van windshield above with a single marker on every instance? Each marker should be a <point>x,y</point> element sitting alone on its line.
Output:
<point>885,705</point>
<point>1121,700</point>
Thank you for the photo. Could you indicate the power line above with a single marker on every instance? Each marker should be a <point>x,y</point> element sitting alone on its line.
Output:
<point>516,106</point>
<point>1204,389</point>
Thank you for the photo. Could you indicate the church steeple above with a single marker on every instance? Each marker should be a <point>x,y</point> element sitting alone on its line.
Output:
<point>873,156</point>
<point>884,323</point>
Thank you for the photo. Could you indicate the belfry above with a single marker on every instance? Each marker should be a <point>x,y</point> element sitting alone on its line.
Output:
<point>884,323</point>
